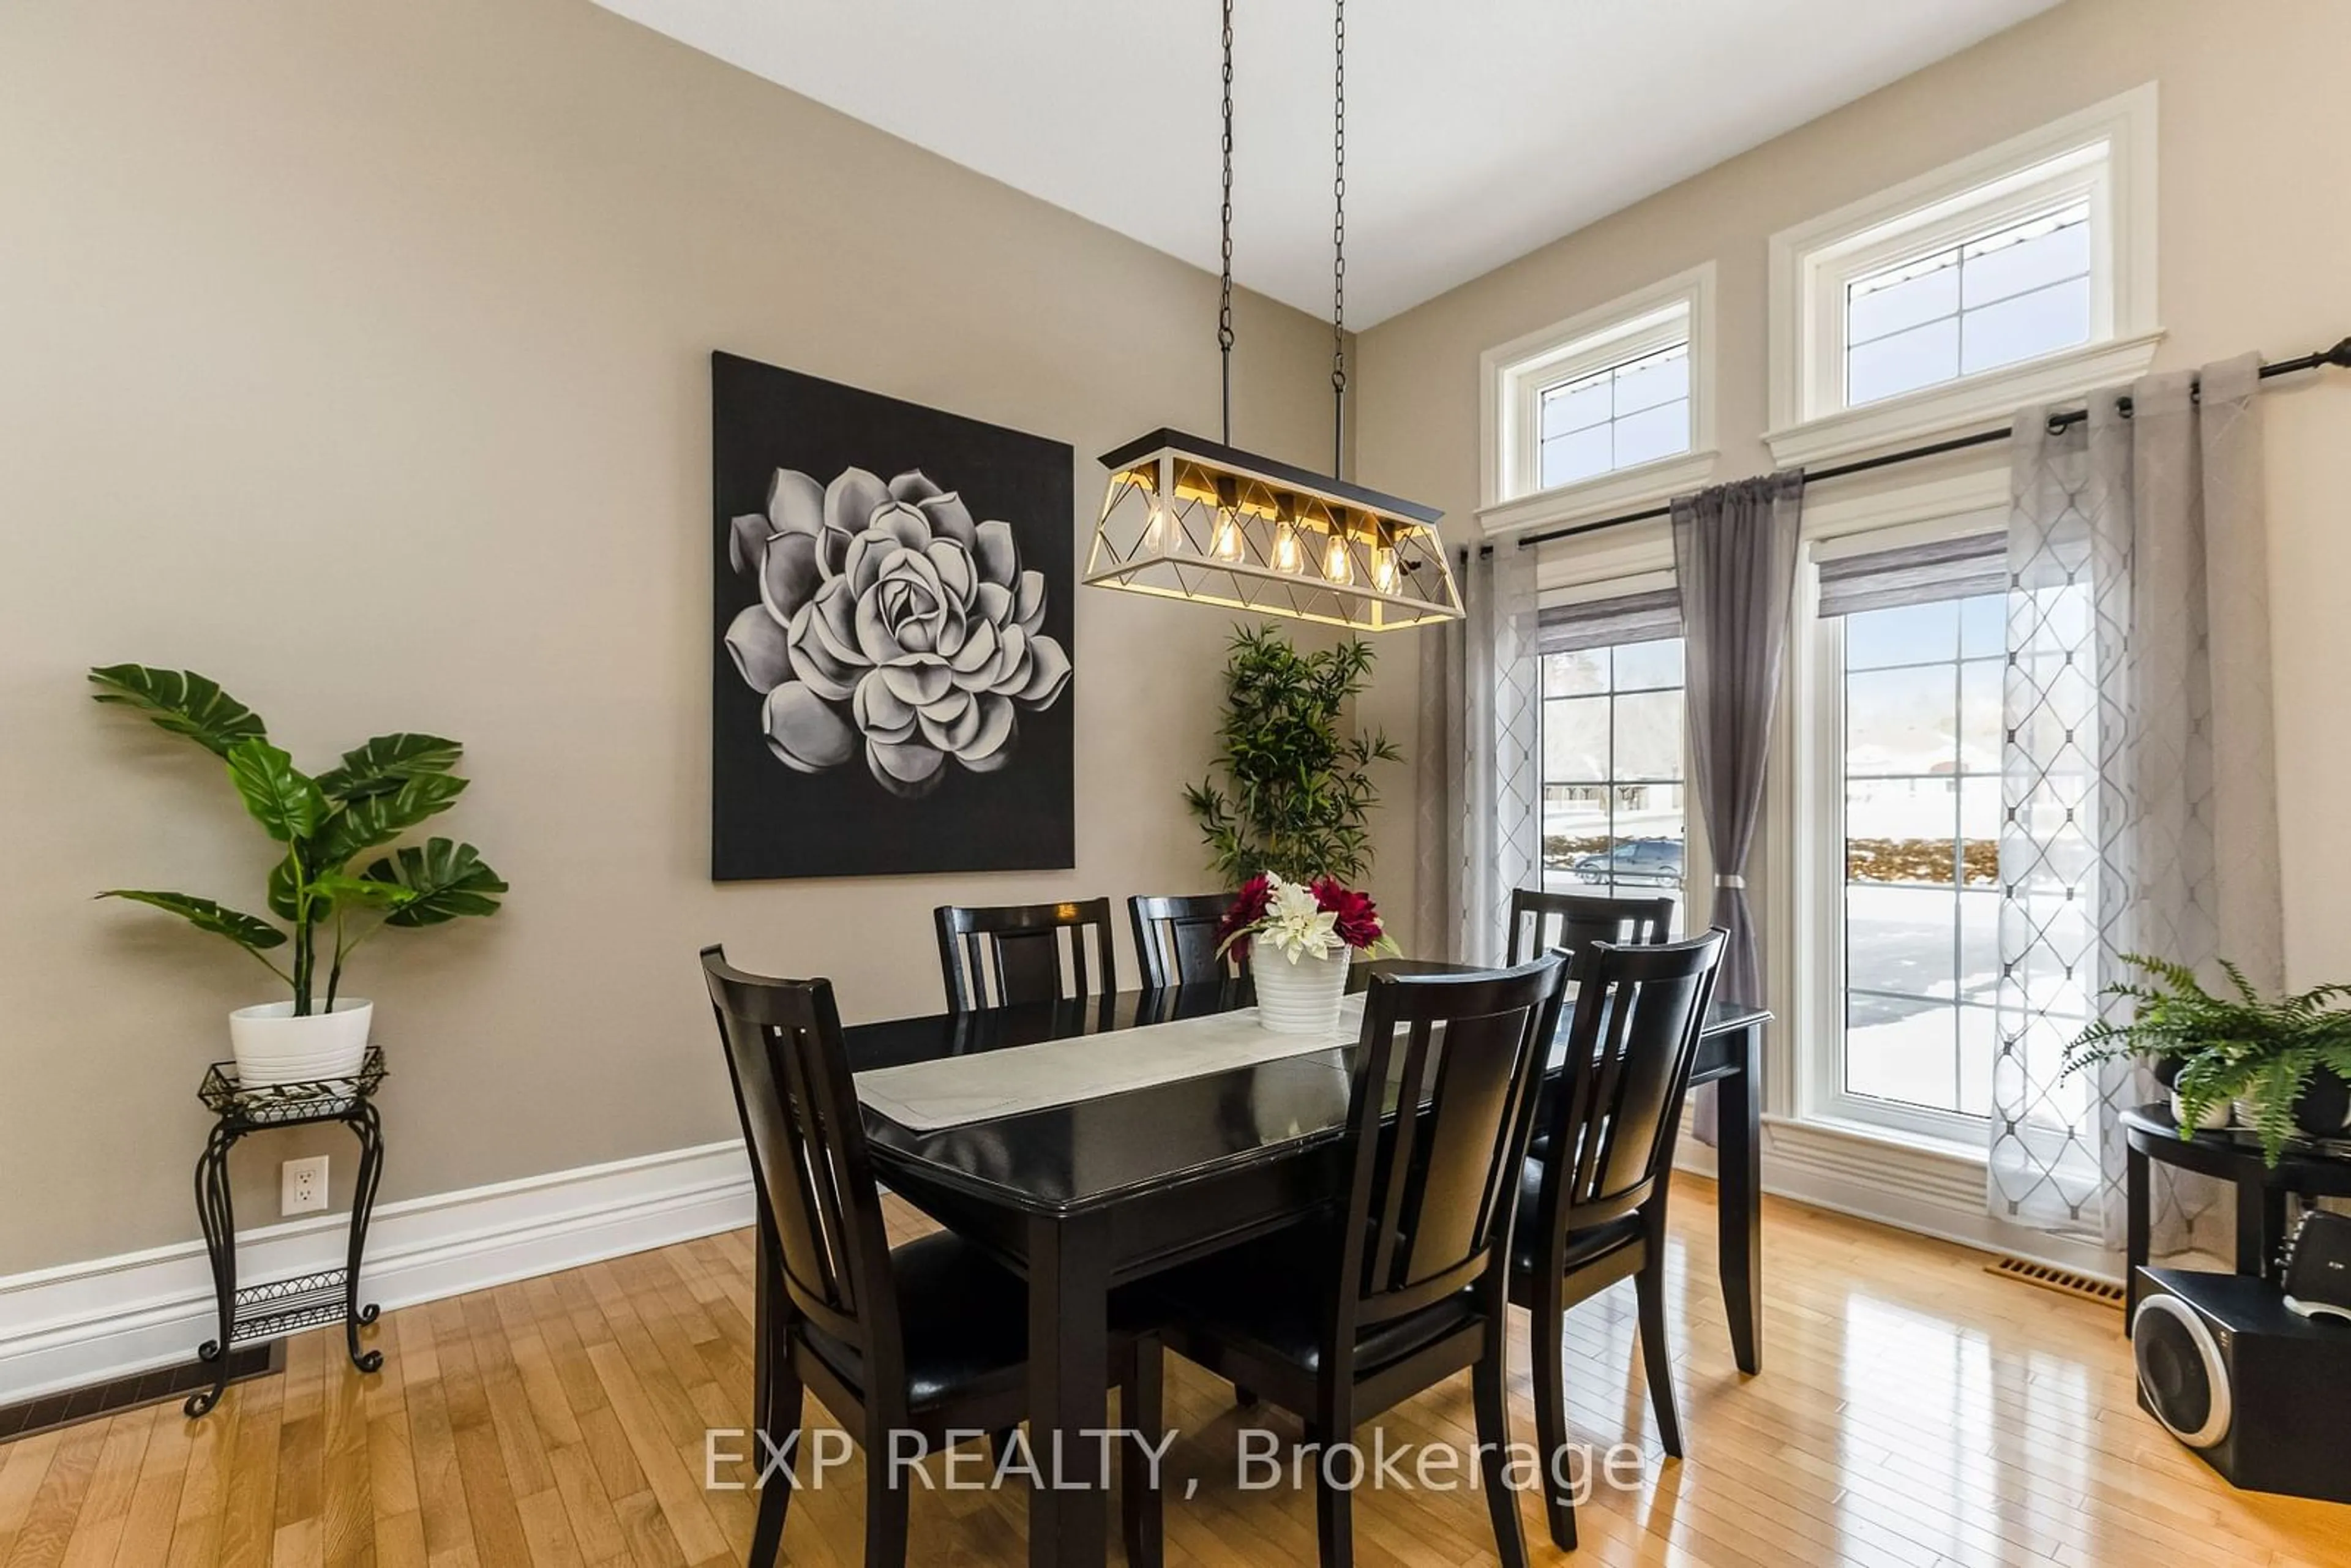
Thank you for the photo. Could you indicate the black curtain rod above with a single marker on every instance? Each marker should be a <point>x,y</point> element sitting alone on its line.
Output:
<point>2339,355</point>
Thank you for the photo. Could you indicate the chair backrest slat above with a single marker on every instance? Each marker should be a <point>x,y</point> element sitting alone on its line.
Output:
<point>1549,922</point>
<point>1431,1194</point>
<point>1175,940</point>
<point>811,1170</point>
<point>1632,1044</point>
<point>1019,948</point>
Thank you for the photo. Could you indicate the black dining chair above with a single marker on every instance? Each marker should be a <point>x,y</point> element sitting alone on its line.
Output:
<point>1340,1319</point>
<point>930,1337</point>
<point>1548,922</point>
<point>1175,940</point>
<point>1592,1205</point>
<point>1005,954</point>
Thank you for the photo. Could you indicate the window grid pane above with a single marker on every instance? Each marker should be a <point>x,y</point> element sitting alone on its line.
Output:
<point>1922,802</point>
<point>1628,414</point>
<point>2020,291</point>
<point>1615,808</point>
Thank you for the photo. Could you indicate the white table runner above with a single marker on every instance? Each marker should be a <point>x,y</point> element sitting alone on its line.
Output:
<point>951,1090</point>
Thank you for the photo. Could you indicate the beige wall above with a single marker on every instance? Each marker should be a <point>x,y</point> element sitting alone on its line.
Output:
<point>356,354</point>
<point>2255,253</point>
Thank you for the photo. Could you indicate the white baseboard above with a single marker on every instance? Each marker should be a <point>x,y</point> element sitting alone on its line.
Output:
<point>85,1322</point>
<point>1906,1187</point>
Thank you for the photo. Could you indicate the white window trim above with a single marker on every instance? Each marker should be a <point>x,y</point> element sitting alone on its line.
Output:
<point>1916,515</point>
<point>2106,153</point>
<point>1511,374</point>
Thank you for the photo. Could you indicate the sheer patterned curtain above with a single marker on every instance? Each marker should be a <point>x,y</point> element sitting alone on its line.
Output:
<point>2139,778</point>
<point>1479,832</point>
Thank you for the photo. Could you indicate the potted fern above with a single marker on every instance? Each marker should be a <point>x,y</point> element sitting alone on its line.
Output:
<point>331,895</point>
<point>2280,1066</point>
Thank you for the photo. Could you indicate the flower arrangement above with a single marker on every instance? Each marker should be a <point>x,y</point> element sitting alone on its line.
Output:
<point>1302,920</point>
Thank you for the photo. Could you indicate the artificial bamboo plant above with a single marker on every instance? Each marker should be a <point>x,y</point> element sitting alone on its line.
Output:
<point>387,786</point>
<point>1299,790</point>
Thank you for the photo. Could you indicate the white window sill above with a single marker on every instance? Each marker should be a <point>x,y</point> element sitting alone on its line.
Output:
<point>1958,408</point>
<point>1915,1177</point>
<point>1902,1144</point>
<point>1627,489</point>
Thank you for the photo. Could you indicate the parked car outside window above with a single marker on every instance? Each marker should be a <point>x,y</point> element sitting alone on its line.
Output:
<point>1635,862</point>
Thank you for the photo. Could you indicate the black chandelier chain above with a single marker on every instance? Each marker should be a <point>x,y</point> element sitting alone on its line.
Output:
<point>1339,237</point>
<point>1224,216</point>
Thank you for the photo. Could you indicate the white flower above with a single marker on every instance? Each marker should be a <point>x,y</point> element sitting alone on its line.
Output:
<point>888,616</point>
<point>1295,925</point>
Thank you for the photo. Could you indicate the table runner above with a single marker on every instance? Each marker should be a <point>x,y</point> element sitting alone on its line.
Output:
<point>952,1090</point>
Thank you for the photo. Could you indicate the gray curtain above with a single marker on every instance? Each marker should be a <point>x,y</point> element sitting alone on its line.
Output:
<point>1735,557</point>
<point>1735,550</point>
<point>1480,756</point>
<point>2140,774</point>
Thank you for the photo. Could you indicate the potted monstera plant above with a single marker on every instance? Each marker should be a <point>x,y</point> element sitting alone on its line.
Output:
<point>332,890</point>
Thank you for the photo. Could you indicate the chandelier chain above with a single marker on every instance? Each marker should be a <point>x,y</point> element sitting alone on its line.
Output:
<point>1224,218</point>
<point>1339,231</point>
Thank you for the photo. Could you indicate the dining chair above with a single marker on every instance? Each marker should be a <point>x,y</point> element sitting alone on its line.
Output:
<point>930,1337</point>
<point>1340,1319</point>
<point>1175,940</point>
<point>1545,922</point>
<point>1018,946</point>
<point>1592,1205</point>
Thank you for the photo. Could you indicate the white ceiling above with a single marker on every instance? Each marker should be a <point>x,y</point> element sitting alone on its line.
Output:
<point>1477,129</point>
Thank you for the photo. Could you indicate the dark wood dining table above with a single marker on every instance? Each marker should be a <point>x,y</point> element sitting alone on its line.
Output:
<point>1084,1197</point>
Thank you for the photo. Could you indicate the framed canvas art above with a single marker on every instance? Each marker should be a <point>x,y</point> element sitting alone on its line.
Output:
<point>891,652</point>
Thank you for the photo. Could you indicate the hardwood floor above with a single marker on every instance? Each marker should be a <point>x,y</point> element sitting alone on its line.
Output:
<point>1914,1411</point>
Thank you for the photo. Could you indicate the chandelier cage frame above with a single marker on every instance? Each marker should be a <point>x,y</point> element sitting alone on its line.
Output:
<point>1185,517</point>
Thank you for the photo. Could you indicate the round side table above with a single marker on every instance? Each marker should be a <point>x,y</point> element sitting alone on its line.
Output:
<point>2308,1171</point>
<point>271,1310</point>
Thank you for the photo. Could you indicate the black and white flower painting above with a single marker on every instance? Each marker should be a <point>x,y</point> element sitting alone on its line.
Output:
<point>889,621</point>
<point>893,691</point>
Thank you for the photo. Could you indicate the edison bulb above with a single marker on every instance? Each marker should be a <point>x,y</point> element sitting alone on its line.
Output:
<point>1338,564</point>
<point>1226,545</point>
<point>1287,554</point>
<point>1384,568</point>
<point>1155,531</point>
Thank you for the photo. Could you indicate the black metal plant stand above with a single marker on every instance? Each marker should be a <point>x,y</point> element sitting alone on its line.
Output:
<point>271,1310</point>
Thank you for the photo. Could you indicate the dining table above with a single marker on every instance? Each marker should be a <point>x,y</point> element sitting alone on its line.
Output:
<point>1084,1197</point>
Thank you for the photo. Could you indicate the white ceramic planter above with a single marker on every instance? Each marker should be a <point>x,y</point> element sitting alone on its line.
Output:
<point>1302,997</point>
<point>2215,1116</point>
<point>273,1046</point>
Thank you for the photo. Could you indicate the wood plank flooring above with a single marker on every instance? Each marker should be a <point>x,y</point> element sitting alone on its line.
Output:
<point>1914,1412</point>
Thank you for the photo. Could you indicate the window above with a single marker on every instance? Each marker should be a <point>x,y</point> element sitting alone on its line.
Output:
<point>1614,816</point>
<point>2025,274</point>
<point>1909,662</point>
<point>1633,412</point>
<point>1922,693</point>
<point>2020,291</point>
<point>1604,407</point>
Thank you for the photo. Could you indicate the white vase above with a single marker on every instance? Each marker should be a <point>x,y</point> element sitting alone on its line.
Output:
<point>1301,997</point>
<point>272,1046</point>
<point>2216,1116</point>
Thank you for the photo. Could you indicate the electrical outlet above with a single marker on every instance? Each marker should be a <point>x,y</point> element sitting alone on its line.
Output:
<point>302,1186</point>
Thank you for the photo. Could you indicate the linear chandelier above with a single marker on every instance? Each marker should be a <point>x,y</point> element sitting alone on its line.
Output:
<point>1185,517</point>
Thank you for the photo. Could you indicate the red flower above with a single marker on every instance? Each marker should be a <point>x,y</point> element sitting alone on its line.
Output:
<point>1249,907</point>
<point>1358,922</point>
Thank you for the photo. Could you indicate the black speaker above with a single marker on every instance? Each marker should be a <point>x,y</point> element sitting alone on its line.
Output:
<point>2318,1267</point>
<point>2261,1394</point>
